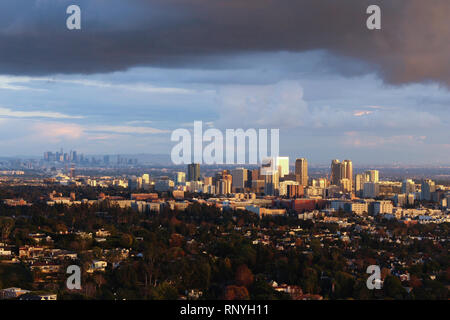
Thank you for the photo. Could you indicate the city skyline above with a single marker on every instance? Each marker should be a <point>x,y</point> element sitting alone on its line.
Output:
<point>163,158</point>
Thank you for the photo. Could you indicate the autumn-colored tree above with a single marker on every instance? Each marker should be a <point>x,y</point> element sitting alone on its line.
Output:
<point>176,240</point>
<point>244,276</point>
<point>236,293</point>
<point>415,282</point>
<point>385,272</point>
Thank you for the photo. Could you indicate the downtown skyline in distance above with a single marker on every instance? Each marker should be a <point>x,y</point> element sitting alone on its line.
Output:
<point>368,99</point>
<point>164,159</point>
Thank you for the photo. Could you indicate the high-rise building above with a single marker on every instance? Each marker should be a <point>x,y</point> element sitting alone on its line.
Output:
<point>348,172</point>
<point>207,181</point>
<point>146,178</point>
<point>180,178</point>
<point>193,172</point>
<point>371,190</point>
<point>223,182</point>
<point>49,156</point>
<point>372,175</point>
<point>346,185</point>
<point>342,170</point>
<point>134,183</point>
<point>294,191</point>
<point>240,177</point>
<point>282,164</point>
<point>360,179</point>
<point>272,184</point>
<point>336,172</point>
<point>428,187</point>
<point>301,171</point>
<point>256,174</point>
<point>408,186</point>
<point>248,183</point>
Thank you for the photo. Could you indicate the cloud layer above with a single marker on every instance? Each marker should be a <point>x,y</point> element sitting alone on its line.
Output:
<point>413,45</point>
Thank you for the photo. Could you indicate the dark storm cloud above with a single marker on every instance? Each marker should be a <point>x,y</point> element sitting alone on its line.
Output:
<point>413,45</point>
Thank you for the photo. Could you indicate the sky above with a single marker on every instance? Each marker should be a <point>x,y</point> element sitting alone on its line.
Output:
<point>137,70</point>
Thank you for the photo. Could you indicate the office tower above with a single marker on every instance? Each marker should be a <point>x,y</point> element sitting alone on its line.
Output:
<point>271,184</point>
<point>73,156</point>
<point>371,190</point>
<point>248,184</point>
<point>207,181</point>
<point>193,172</point>
<point>348,172</point>
<point>360,179</point>
<point>228,178</point>
<point>336,172</point>
<point>301,171</point>
<point>180,178</point>
<point>223,181</point>
<point>346,185</point>
<point>48,156</point>
<point>258,186</point>
<point>106,159</point>
<point>282,163</point>
<point>372,175</point>
<point>342,170</point>
<point>428,187</point>
<point>408,186</point>
<point>294,191</point>
<point>256,174</point>
<point>134,183</point>
<point>240,177</point>
<point>146,178</point>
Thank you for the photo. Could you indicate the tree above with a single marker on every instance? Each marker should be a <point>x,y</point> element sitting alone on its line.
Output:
<point>6,226</point>
<point>244,276</point>
<point>126,240</point>
<point>236,293</point>
<point>393,288</point>
<point>165,291</point>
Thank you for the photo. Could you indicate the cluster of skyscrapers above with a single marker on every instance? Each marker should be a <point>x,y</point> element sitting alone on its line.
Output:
<point>75,158</point>
<point>278,180</point>
<point>274,178</point>
<point>61,156</point>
